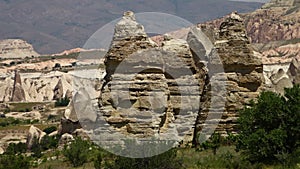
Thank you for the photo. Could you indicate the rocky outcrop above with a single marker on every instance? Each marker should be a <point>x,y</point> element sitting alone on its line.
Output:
<point>149,91</point>
<point>69,122</point>
<point>275,23</point>
<point>65,139</point>
<point>18,93</point>
<point>35,136</point>
<point>281,3</point>
<point>233,65</point>
<point>40,87</point>
<point>58,91</point>
<point>16,48</point>
<point>294,71</point>
<point>281,54</point>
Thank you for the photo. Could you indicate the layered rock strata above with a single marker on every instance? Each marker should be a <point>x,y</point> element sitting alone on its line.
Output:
<point>149,91</point>
<point>233,67</point>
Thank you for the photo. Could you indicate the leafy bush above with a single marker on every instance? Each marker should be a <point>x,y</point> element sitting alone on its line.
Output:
<point>62,102</point>
<point>49,142</point>
<point>14,161</point>
<point>50,129</point>
<point>270,129</point>
<point>77,152</point>
<point>213,143</point>
<point>14,148</point>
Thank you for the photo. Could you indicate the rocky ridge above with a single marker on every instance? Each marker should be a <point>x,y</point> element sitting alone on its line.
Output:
<point>16,48</point>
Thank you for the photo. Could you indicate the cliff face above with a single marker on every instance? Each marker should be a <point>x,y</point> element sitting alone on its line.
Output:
<point>277,21</point>
<point>273,24</point>
<point>16,48</point>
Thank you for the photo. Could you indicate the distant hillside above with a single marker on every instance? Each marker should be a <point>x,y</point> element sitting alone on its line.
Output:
<point>55,25</point>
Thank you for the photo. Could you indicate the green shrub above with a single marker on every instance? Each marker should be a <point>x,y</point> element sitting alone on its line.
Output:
<point>14,162</point>
<point>62,102</point>
<point>214,142</point>
<point>50,129</point>
<point>77,152</point>
<point>49,142</point>
<point>270,129</point>
<point>165,160</point>
<point>14,148</point>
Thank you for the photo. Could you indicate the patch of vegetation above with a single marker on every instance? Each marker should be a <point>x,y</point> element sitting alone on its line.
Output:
<point>165,160</point>
<point>10,121</point>
<point>62,102</point>
<point>24,107</point>
<point>49,142</point>
<point>270,130</point>
<point>49,130</point>
<point>16,148</point>
<point>77,152</point>
<point>14,162</point>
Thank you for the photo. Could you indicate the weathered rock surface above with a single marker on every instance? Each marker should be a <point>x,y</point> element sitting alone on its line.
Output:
<point>18,93</point>
<point>281,3</point>
<point>65,139</point>
<point>149,91</point>
<point>233,67</point>
<point>69,122</point>
<point>276,24</point>
<point>16,48</point>
<point>40,87</point>
<point>294,71</point>
<point>58,91</point>
<point>35,136</point>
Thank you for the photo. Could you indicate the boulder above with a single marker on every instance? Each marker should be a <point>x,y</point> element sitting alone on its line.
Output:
<point>65,139</point>
<point>35,136</point>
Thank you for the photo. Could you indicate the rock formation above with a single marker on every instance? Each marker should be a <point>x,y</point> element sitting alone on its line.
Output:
<point>150,91</point>
<point>65,139</point>
<point>69,122</point>
<point>40,87</point>
<point>294,71</point>
<point>58,91</point>
<point>242,76</point>
<point>35,136</point>
<point>18,93</point>
<point>281,3</point>
<point>16,48</point>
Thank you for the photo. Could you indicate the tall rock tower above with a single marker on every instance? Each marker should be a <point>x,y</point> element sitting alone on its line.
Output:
<point>18,93</point>
<point>242,75</point>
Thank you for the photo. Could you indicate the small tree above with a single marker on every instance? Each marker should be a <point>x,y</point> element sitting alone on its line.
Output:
<point>77,152</point>
<point>269,129</point>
